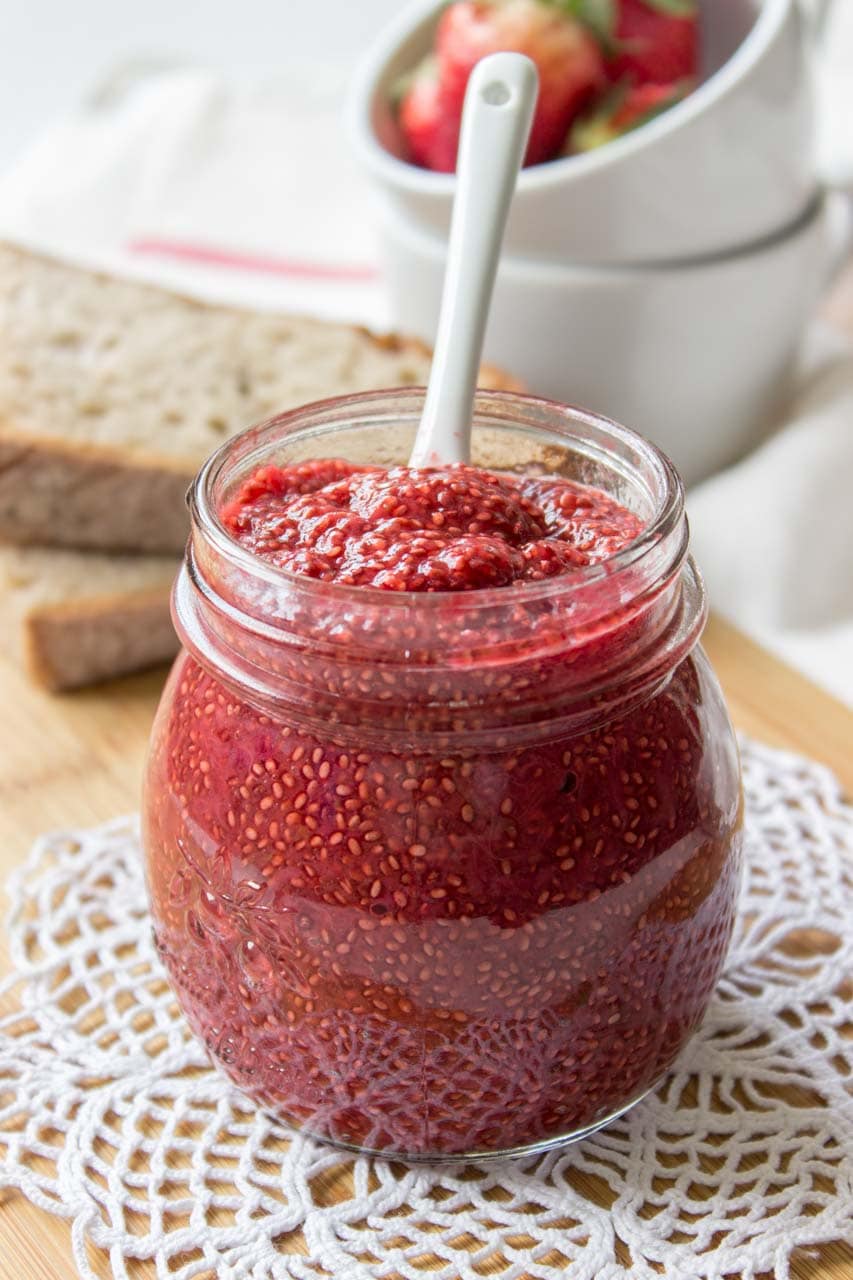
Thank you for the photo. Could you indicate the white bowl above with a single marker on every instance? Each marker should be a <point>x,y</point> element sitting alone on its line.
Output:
<point>697,356</point>
<point>733,163</point>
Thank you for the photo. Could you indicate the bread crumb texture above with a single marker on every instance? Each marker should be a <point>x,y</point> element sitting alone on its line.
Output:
<point>101,361</point>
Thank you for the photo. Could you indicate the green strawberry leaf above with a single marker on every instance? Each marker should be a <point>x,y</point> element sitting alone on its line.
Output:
<point>600,126</point>
<point>599,15</point>
<point>660,109</point>
<point>610,102</point>
<point>401,86</point>
<point>673,8</point>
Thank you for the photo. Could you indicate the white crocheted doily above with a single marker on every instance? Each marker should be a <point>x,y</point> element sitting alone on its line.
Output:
<point>111,1116</point>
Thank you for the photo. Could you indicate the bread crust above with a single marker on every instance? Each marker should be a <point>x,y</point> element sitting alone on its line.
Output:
<point>83,641</point>
<point>52,494</point>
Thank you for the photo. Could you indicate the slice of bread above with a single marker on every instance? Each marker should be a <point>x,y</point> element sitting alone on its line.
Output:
<point>78,617</point>
<point>112,394</point>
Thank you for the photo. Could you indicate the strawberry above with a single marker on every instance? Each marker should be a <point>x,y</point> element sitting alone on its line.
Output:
<point>654,41</point>
<point>626,107</point>
<point>578,46</point>
<point>430,132</point>
<point>566,54</point>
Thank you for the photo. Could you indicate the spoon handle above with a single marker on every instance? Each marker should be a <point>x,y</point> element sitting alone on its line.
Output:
<point>499,103</point>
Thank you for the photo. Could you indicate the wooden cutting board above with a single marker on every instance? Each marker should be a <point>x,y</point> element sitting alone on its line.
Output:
<point>76,760</point>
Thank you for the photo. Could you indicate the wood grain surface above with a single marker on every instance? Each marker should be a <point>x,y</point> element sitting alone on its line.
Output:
<point>77,760</point>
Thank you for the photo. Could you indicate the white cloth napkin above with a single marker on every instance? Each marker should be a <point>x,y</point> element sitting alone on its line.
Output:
<point>250,195</point>
<point>234,193</point>
<point>774,534</point>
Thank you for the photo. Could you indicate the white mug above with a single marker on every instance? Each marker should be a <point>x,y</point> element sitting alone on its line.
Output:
<point>697,356</point>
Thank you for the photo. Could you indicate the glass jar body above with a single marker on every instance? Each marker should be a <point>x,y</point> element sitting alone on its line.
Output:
<point>443,953</point>
<point>454,874</point>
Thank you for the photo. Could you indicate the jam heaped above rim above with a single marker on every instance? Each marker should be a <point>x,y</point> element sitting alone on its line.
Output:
<point>456,528</point>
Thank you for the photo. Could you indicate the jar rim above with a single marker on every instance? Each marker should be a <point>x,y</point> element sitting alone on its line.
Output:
<point>667,515</point>
<point>418,666</point>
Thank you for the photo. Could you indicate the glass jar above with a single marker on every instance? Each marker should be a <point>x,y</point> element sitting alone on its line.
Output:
<point>453,874</point>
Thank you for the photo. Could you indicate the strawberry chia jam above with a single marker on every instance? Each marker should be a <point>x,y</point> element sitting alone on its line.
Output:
<point>443,804</point>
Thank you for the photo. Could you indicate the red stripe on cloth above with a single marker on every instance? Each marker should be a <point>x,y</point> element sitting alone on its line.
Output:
<point>233,259</point>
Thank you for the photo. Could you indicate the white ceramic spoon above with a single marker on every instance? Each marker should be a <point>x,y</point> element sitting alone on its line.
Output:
<point>496,120</point>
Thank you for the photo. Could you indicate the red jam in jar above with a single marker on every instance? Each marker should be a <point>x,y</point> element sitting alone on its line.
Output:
<point>442,811</point>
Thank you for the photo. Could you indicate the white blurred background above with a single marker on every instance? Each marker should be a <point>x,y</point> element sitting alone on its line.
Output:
<point>54,51</point>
